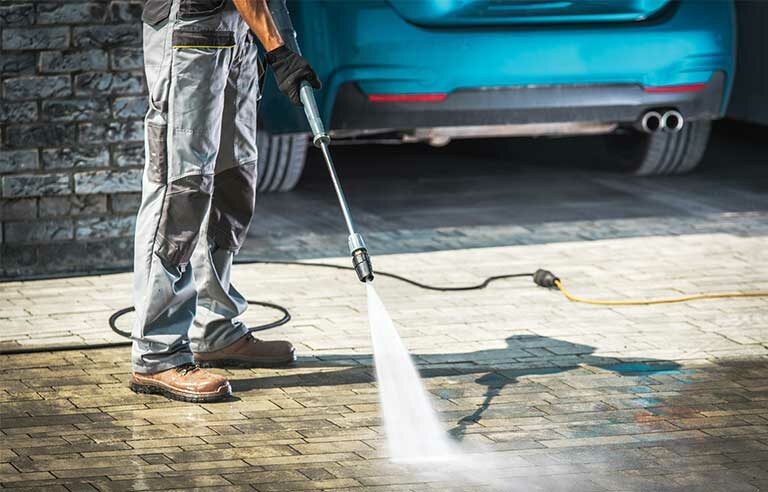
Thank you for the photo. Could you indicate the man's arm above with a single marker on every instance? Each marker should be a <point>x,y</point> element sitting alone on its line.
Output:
<point>290,68</point>
<point>256,15</point>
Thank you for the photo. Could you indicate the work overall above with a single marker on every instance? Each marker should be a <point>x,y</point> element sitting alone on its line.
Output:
<point>199,182</point>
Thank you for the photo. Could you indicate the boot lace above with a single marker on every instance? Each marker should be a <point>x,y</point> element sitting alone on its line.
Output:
<point>185,369</point>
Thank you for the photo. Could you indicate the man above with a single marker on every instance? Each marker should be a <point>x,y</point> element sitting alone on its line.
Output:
<point>198,191</point>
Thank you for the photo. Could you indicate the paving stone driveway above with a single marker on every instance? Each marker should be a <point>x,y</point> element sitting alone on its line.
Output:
<point>570,397</point>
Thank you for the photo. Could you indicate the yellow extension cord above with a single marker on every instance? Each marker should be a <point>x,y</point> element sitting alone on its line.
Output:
<point>670,300</point>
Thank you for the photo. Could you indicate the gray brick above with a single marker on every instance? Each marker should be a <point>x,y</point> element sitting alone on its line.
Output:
<point>35,185</point>
<point>18,259</point>
<point>19,112</point>
<point>38,231</point>
<point>78,157</point>
<point>109,83</point>
<point>127,59</point>
<point>17,63</point>
<point>108,181</point>
<point>105,227</point>
<point>17,15</point>
<point>75,109</point>
<point>36,38</point>
<point>12,161</point>
<point>72,61</point>
<point>85,256</point>
<point>72,206</point>
<point>125,11</point>
<point>111,132</point>
<point>21,88</point>
<point>129,107</point>
<point>129,155</point>
<point>20,209</point>
<point>125,202</point>
<point>39,135</point>
<point>113,36</point>
<point>71,13</point>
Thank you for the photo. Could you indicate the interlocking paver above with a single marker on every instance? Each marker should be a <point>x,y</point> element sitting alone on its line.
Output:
<point>568,396</point>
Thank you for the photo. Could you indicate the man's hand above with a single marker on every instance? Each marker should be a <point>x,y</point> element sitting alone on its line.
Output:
<point>291,69</point>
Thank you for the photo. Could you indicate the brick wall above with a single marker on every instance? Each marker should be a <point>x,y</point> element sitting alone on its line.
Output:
<point>71,129</point>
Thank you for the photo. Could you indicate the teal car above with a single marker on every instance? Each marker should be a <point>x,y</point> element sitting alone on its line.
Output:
<point>652,74</point>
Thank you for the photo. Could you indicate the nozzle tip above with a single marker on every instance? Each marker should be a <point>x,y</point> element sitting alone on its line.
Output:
<point>362,263</point>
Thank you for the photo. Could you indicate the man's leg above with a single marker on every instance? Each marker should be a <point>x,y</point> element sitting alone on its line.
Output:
<point>216,337</point>
<point>187,66</point>
<point>164,295</point>
<point>234,199</point>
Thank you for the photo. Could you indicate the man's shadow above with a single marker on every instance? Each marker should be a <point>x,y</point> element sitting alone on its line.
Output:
<point>546,356</point>
<point>574,354</point>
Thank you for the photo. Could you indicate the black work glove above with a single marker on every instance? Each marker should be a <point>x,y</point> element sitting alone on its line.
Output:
<point>291,69</point>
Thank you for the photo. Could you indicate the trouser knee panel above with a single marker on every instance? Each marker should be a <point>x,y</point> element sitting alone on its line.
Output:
<point>234,200</point>
<point>157,158</point>
<point>184,209</point>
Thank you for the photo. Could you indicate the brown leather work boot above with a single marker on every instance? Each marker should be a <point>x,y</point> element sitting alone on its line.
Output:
<point>186,383</point>
<point>249,352</point>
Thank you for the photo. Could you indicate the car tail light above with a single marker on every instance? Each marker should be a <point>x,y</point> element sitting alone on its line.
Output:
<point>670,89</point>
<point>437,97</point>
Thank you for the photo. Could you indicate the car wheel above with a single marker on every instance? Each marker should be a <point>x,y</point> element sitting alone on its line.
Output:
<point>281,160</point>
<point>661,153</point>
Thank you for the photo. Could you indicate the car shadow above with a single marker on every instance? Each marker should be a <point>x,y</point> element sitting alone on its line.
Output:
<point>524,355</point>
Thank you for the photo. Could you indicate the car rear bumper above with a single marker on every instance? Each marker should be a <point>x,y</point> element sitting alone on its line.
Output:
<point>505,72</point>
<point>600,103</point>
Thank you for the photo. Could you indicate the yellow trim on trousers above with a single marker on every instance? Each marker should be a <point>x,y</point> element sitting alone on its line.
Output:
<point>201,46</point>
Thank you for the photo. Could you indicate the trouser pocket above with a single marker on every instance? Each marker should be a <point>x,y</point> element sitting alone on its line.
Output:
<point>183,39</point>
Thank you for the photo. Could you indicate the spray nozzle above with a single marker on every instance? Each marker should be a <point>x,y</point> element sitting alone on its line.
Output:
<point>360,259</point>
<point>362,263</point>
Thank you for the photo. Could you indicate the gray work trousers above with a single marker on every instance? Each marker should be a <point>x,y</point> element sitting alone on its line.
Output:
<point>199,182</point>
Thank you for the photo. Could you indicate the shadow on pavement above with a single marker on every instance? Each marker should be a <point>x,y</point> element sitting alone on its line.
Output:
<point>490,362</point>
<point>495,382</point>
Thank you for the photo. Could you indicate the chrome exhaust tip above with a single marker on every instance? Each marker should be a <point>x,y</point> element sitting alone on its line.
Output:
<point>672,121</point>
<point>650,122</point>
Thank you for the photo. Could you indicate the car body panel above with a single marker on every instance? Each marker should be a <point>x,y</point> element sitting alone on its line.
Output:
<point>510,12</point>
<point>368,43</point>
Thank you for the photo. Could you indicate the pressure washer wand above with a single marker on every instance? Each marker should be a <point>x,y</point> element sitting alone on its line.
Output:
<point>360,259</point>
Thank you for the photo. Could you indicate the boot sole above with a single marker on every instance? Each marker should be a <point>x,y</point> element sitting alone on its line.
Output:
<point>245,364</point>
<point>149,389</point>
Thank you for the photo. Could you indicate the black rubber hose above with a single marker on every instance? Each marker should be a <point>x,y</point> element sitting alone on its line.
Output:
<point>379,273</point>
<point>267,326</point>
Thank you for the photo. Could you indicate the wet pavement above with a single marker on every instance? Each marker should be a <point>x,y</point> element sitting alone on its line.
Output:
<point>567,396</point>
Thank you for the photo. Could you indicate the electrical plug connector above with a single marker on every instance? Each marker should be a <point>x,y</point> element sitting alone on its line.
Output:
<point>545,278</point>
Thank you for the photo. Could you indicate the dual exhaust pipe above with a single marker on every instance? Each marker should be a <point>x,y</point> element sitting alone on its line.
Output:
<point>667,121</point>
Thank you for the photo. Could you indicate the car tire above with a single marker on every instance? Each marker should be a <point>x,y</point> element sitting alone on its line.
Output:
<point>281,160</point>
<point>661,153</point>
